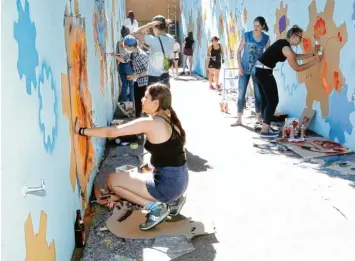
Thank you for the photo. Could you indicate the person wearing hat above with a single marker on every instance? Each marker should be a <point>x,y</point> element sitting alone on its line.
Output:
<point>124,68</point>
<point>161,49</point>
<point>139,63</point>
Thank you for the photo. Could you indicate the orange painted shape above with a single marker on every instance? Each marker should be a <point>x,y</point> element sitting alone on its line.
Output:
<point>336,80</point>
<point>37,248</point>
<point>319,28</point>
<point>307,45</point>
<point>326,86</point>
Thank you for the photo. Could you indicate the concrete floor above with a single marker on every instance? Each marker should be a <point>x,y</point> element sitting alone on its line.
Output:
<point>265,205</point>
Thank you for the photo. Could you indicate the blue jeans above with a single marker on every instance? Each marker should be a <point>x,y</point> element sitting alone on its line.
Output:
<point>125,70</point>
<point>243,85</point>
<point>167,184</point>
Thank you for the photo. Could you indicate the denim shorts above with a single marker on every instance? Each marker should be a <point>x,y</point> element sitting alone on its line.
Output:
<point>167,184</point>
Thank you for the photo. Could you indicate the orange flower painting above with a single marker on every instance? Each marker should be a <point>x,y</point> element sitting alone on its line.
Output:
<point>319,28</point>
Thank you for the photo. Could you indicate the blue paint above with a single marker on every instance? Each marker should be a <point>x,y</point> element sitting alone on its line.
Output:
<point>25,35</point>
<point>353,16</point>
<point>101,23</point>
<point>339,117</point>
<point>46,74</point>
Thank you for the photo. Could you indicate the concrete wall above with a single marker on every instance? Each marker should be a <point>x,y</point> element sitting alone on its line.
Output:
<point>147,9</point>
<point>54,70</point>
<point>328,88</point>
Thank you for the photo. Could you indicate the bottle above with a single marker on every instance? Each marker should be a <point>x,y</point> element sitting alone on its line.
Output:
<point>284,131</point>
<point>303,131</point>
<point>316,46</point>
<point>292,132</point>
<point>79,231</point>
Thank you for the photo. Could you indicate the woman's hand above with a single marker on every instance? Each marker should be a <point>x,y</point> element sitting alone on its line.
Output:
<point>241,72</point>
<point>78,126</point>
<point>132,77</point>
<point>319,57</point>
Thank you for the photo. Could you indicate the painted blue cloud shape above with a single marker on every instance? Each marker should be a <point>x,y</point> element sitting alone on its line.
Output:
<point>47,109</point>
<point>339,117</point>
<point>25,35</point>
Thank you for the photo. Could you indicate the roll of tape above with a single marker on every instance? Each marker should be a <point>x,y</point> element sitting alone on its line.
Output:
<point>134,146</point>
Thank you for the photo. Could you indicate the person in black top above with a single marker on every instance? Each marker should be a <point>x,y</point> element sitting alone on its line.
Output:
<point>188,51</point>
<point>161,193</point>
<point>215,56</point>
<point>278,52</point>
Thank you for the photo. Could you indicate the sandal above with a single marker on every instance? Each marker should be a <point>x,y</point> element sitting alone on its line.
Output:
<point>236,124</point>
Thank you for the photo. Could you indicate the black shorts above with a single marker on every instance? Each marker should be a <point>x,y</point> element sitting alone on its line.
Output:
<point>214,65</point>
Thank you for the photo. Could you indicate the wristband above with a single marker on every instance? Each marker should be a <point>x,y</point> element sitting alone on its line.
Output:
<point>81,131</point>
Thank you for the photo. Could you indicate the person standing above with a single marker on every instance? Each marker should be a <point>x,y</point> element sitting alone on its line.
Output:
<point>176,57</point>
<point>130,22</point>
<point>278,52</point>
<point>139,62</point>
<point>188,51</point>
<point>252,46</point>
<point>215,56</point>
<point>161,49</point>
<point>124,68</point>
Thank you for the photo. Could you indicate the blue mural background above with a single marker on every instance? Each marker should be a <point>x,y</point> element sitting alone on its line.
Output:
<point>36,135</point>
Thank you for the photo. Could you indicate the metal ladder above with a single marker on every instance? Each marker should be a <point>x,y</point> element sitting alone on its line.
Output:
<point>172,15</point>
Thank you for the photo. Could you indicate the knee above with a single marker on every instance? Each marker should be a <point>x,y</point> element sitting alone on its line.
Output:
<point>113,181</point>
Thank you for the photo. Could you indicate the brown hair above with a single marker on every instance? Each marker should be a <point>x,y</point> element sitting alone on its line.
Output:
<point>262,22</point>
<point>215,38</point>
<point>131,16</point>
<point>294,30</point>
<point>162,93</point>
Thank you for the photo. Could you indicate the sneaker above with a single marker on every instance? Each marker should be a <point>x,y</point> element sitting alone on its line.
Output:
<point>155,217</point>
<point>218,86</point>
<point>176,206</point>
<point>211,87</point>
<point>269,134</point>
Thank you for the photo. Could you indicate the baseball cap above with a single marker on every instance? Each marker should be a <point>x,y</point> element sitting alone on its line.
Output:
<point>129,40</point>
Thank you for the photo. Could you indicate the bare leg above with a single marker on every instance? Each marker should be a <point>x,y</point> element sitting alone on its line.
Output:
<point>176,64</point>
<point>210,76</point>
<point>184,66</point>
<point>190,62</point>
<point>217,76</point>
<point>130,186</point>
<point>265,127</point>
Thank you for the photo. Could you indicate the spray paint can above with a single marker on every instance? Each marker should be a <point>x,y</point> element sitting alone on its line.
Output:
<point>303,131</point>
<point>284,131</point>
<point>292,131</point>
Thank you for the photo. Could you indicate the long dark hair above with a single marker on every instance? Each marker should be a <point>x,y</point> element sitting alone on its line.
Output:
<point>125,31</point>
<point>190,36</point>
<point>262,22</point>
<point>131,16</point>
<point>161,92</point>
<point>294,30</point>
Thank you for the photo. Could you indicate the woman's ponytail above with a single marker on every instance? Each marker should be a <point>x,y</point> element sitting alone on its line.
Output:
<point>175,121</point>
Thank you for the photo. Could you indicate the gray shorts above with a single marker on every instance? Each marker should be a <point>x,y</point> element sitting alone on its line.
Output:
<point>167,184</point>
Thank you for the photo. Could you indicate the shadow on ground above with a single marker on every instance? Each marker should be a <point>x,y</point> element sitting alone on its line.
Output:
<point>204,250</point>
<point>196,164</point>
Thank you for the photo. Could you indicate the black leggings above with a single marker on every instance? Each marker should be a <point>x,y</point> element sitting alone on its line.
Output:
<point>269,94</point>
<point>139,93</point>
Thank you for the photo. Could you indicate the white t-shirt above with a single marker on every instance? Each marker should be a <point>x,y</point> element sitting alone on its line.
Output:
<point>132,27</point>
<point>156,57</point>
<point>176,50</point>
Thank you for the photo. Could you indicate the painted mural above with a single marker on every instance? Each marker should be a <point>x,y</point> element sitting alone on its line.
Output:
<point>51,81</point>
<point>282,21</point>
<point>79,102</point>
<point>37,247</point>
<point>100,31</point>
<point>321,80</point>
<point>329,88</point>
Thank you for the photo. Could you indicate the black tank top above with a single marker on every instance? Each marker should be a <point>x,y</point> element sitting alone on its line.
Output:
<point>273,54</point>
<point>170,153</point>
<point>217,54</point>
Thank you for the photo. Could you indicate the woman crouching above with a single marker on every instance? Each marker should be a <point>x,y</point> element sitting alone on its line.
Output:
<point>161,193</point>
